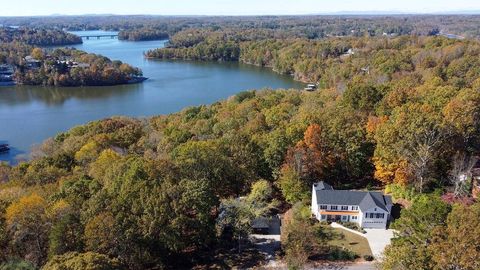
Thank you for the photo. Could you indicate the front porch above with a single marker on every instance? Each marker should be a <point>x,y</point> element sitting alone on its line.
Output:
<point>344,216</point>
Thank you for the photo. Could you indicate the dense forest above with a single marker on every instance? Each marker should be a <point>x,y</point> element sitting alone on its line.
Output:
<point>300,26</point>
<point>142,34</point>
<point>38,37</point>
<point>141,193</point>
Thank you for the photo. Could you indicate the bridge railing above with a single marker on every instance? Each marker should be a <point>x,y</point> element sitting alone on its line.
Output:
<point>98,36</point>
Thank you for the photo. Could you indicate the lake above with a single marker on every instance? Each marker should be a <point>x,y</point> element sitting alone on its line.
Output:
<point>29,115</point>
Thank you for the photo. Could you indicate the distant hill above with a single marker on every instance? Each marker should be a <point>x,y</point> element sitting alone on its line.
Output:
<point>398,12</point>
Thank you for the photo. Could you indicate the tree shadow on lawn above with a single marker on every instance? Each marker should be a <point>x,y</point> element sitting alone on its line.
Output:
<point>228,258</point>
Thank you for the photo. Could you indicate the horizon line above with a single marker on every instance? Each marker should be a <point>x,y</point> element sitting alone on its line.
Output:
<point>334,13</point>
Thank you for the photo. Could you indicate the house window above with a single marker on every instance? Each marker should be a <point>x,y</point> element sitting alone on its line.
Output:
<point>344,207</point>
<point>354,207</point>
<point>323,207</point>
<point>323,217</point>
<point>366,215</point>
<point>380,215</point>
<point>344,218</point>
<point>333,207</point>
<point>354,217</point>
<point>372,215</point>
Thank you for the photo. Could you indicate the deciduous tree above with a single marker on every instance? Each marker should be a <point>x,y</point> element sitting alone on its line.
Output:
<point>28,226</point>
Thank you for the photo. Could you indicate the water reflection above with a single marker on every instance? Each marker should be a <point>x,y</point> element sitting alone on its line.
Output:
<point>15,155</point>
<point>57,96</point>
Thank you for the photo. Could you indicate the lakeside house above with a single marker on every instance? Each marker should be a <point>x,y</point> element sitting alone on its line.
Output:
<point>6,75</point>
<point>32,63</point>
<point>471,177</point>
<point>371,210</point>
<point>311,87</point>
<point>72,64</point>
<point>350,52</point>
<point>475,176</point>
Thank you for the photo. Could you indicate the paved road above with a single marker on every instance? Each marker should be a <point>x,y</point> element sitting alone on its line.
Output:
<point>268,245</point>
<point>361,266</point>
<point>357,266</point>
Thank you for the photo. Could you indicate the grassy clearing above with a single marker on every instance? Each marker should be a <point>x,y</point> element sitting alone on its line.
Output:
<point>345,239</point>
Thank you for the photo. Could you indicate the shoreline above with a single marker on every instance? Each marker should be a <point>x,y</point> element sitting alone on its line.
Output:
<point>222,61</point>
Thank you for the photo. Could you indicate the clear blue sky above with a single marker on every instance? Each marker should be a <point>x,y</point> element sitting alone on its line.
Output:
<point>226,7</point>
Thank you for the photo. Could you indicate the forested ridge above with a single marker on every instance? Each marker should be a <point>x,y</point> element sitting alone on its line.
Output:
<point>312,27</point>
<point>400,113</point>
<point>39,37</point>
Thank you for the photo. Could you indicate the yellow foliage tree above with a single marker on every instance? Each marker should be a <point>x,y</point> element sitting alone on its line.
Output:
<point>463,113</point>
<point>88,152</point>
<point>28,227</point>
<point>397,172</point>
<point>37,53</point>
<point>100,234</point>
<point>60,209</point>
<point>384,172</point>
<point>103,162</point>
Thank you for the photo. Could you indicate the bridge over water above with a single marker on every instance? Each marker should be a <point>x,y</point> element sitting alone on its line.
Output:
<point>112,36</point>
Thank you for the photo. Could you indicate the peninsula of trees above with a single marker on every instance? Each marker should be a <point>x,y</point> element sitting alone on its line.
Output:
<point>29,64</point>
<point>142,34</point>
<point>70,67</point>
<point>402,113</point>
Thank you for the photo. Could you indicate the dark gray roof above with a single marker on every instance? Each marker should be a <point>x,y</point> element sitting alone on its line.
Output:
<point>476,168</point>
<point>322,186</point>
<point>364,199</point>
<point>260,223</point>
<point>388,199</point>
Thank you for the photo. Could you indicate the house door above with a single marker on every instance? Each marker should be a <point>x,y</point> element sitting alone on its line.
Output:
<point>334,218</point>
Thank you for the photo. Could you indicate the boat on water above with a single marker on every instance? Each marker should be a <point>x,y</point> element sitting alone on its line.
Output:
<point>137,79</point>
<point>4,148</point>
<point>311,87</point>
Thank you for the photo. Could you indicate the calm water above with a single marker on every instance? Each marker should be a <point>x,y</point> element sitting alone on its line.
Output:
<point>29,115</point>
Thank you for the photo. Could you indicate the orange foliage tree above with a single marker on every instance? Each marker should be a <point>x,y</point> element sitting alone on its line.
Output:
<point>311,157</point>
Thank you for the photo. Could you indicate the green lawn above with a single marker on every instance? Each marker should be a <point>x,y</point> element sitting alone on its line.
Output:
<point>346,239</point>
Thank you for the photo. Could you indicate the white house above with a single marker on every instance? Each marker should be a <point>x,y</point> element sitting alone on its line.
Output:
<point>368,209</point>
